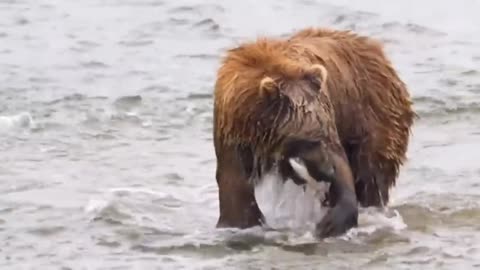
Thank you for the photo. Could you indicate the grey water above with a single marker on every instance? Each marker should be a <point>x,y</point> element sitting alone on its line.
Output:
<point>106,145</point>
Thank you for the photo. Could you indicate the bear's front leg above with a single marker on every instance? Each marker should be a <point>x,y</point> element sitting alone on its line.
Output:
<point>339,219</point>
<point>344,212</point>
<point>238,207</point>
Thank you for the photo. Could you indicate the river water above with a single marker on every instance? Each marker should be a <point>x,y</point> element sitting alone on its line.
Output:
<point>106,136</point>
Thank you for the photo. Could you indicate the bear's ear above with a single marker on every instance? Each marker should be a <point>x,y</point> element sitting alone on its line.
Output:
<point>268,87</point>
<point>318,75</point>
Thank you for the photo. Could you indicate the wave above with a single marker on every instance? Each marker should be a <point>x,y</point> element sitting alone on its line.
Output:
<point>22,120</point>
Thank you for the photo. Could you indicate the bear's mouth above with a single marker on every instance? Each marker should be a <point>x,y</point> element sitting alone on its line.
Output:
<point>312,162</point>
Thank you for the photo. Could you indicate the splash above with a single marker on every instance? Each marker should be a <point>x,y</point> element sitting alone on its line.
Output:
<point>287,205</point>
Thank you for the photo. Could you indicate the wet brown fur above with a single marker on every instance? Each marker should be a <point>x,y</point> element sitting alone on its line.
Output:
<point>362,111</point>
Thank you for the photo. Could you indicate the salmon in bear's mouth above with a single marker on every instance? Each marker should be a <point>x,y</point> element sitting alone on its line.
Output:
<point>320,189</point>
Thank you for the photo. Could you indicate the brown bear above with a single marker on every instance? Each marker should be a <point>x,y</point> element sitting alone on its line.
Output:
<point>324,100</point>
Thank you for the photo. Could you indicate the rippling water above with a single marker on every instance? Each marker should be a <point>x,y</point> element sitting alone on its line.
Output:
<point>105,133</point>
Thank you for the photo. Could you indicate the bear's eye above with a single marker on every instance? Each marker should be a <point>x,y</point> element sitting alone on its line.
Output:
<point>314,81</point>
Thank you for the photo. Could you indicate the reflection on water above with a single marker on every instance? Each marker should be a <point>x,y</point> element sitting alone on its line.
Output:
<point>107,156</point>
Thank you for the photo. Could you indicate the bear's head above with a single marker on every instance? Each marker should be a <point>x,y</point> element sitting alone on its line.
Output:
<point>299,110</point>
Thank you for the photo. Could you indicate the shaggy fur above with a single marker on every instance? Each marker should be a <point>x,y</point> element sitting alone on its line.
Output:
<point>271,90</point>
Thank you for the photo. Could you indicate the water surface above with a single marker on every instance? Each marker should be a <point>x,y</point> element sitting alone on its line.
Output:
<point>107,155</point>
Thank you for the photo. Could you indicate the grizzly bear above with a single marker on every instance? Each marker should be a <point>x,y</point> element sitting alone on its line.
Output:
<point>321,104</point>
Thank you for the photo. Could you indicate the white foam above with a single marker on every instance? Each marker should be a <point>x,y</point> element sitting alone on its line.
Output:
<point>287,205</point>
<point>122,200</point>
<point>21,120</point>
<point>131,190</point>
<point>96,205</point>
<point>371,220</point>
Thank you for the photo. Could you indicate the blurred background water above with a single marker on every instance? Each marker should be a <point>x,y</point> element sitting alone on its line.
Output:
<point>106,135</point>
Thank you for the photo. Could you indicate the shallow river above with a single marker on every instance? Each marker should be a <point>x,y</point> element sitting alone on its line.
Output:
<point>106,136</point>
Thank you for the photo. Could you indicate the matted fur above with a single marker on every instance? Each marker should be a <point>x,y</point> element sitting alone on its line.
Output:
<point>369,105</point>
